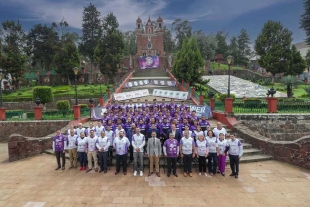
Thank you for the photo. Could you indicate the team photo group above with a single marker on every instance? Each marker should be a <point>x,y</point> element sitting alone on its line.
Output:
<point>167,131</point>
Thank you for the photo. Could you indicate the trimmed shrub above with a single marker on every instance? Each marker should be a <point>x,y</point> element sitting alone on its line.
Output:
<point>290,100</point>
<point>83,105</point>
<point>63,105</point>
<point>45,94</point>
<point>223,97</point>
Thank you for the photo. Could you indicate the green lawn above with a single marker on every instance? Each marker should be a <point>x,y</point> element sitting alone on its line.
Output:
<point>224,66</point>
<point>84,91</point>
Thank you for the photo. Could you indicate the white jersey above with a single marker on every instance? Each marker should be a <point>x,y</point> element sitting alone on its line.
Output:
<point>212,143</point>
<point>222,146</point>
<point>87,131</point>
<point>79,131</point>
<point>202,147</point>
<point>187,145</point>
<point>81,144</point>
<point>138,141</point>
<point>99,130</point>
<point>72,141</point>
<point>131,105</point>
<point>235,147</point>
<point>217,132</point>
<point>139,105</point>
<point>68,132</point>
<point>91,143</point>
<point>116,134</point>
<point>110,134</point>
<point>103,143</point>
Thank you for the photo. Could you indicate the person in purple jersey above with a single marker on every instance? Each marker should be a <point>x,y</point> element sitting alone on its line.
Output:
<point>151,115</point>
<point>194,126</point>
<point>143,127</point>
<point>163,104</point>
<point>147,110</point>
<point>182,106</point>
<point>155,111</point>
<point>136,117</point>
<point>139,110</point>
<point>110,123</point>
<point>177,116</point>
<point>108,106</point>
<point>187,152</point>
<point>121,144</point>
<point>115,105</point>
<point>164,129</point>
<point>124,112</point>
<point>185,123</point>
<point>130,106</point>
<point>130,111</point>
<point>204,123</point>
<point>59,146</point>
<point>127,125</point>
<point>168,116</point>
<point>171,152</point>
<point>153,121</point>
<point>184,114</point>
<point>104,119</point>
<point>146,104</point>
<point>160,117</point>
<point>194,117</point>
<point>155,104</point>
<point>177,125</point>
<point>172,105</point>
<point>144,117</point>
<point>152,129</point>
<point>123,105</point>
<point>119,121</point>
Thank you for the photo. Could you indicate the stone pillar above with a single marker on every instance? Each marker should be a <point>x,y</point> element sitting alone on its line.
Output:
<point>272,105</point>
<point>201,99</point>
<point>212,103</point>
<point>38,113</point>
<point>101,101</point>
<point>109,93</point>
<point>77,111</point>
<point>2,113</point>
<point>229,105</point>
<point>193,91</point>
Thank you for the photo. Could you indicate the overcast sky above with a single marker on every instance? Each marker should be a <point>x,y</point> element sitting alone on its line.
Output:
<point>207,15</point>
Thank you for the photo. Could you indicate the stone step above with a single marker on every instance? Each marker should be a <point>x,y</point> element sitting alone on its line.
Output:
<point>150,88</point>
<point>150,78</point>
<point>246,146</point>
<point>251,151</point>
<point>150,73</point>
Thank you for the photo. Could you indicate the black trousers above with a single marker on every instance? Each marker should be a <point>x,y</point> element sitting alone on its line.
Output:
<point>234,164</point>
<point>62,155</point>
<point>110,153</point>
<point>172,161</point>
<point>202,164</point>
<point>103,160</point>
<point>187,163</point>
<point>122,158</point>
<point>130,153</point>
<point>212,166</point>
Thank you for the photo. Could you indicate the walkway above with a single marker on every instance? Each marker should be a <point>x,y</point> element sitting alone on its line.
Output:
<point>268,183</point>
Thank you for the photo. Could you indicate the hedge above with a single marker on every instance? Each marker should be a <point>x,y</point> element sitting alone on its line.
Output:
<point>45,94</point>
<point>63,105</point>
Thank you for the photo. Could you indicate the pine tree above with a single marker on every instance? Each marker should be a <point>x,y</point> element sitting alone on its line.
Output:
<point>296,64</point>
<point>244,51</point>
<point>305,20</point>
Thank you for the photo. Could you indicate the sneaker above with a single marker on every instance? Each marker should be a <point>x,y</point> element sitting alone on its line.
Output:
<point>206,175</point>
<point>199,174</point>
<point>135,173</point>
<point>81,168</point>
<point>141,173</point>
<point>84,168</point>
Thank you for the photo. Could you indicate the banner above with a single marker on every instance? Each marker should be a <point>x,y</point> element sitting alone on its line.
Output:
<point>170,94</point>
<point>149,62</point>
<point>131,95</point>
<point>97,112</point>
<point>150,82</point>
<point>201,110</point>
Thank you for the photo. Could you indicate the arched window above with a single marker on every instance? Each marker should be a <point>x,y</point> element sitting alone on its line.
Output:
<point>149,30</point>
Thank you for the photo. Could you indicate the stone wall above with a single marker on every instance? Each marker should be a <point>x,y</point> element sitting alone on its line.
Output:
<point>295,152</point>
<point>29,105</point>
<point>20,147</point>
<point>29,128</point>
<point>276,126</point>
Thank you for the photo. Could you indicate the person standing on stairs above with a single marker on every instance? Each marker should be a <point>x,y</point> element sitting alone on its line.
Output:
<point>235,151</point>
<point>219,129</point>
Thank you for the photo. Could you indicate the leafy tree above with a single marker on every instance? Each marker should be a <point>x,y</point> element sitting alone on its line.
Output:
<point>188,62</point>
<point>296,64</point>
<point>234,49</point>
<point>42,44</point>
<point>222,47</point>
<point>169,43</point>
<point>92,31</point>
<point>207,44</point>
<point>307,58</point>
<point>290,81</point>
<point>305,20</point>
<point>110,49</point>
<point>13,57</point>
<point>66,59</point>
<point>182,29</point>
<point>130,43</point>
<point>244,50</point>
<point>273,46</point>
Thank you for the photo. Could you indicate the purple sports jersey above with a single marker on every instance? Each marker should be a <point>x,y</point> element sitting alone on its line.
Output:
<point>59,142</point>
<point>171,147</point>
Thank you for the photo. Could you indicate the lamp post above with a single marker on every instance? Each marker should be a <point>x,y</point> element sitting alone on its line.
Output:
<point>76,107</point>
<point>91,106</point>
<point>272,101</point>
<point>229,61</point>
<point>76,71</point>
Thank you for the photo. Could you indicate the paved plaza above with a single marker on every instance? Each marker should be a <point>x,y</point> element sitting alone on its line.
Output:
<point>240,87</point>
<point>34,182</point>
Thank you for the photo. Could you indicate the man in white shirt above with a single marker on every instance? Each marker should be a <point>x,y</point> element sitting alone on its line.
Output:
<point>79,129</point>
<point>219,129</point>
<point>102,144</point>
<point>91,151</point>
<point>71,127</point>
<point>187,152</point>
<point>91,127</point>
<point>110,134</point>
<point>121,144</point>
<point>72,148</point>
<point>99,128</point>
<point>138,142</point>
<point>235,151</point>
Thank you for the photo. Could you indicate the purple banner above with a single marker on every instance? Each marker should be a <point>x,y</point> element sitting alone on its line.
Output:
<point>149,62</point>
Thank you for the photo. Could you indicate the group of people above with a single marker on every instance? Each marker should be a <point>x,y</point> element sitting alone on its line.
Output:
<point>155,130</point>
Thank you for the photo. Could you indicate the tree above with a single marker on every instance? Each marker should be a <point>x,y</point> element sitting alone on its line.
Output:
<point>222,47</point>
<point>307,58</point>
<point>305,20</point>
<point>66,59</point>
<point>110,49</point>
<point>234,49</point>
<point>130,43</point>
<point>273,46</point>
<point>42,44</point>
<point>44,93</point>
<point>13,57</point>
<point>188,63</point>
<point>169,43</point>
<point>182,29</point>
<point>207,44</point>
<point>244,50</point>
<point>290,81</point>
<point>296,64</point>
<point>92,31</point>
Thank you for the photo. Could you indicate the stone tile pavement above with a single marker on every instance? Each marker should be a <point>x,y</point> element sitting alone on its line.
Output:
<point>34,182</point>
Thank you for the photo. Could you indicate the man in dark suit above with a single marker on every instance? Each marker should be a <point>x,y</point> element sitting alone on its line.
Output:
<point>152,129</point>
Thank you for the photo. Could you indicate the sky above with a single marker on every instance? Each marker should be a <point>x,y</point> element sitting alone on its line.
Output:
<point>207,15</point>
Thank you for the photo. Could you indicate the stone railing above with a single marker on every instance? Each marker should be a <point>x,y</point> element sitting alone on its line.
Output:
<point>21,147</point>
<point>295,152</point>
